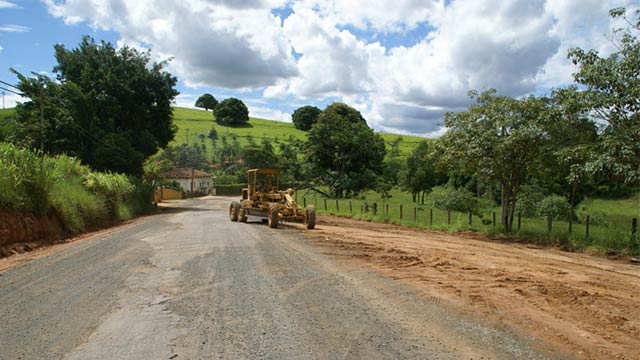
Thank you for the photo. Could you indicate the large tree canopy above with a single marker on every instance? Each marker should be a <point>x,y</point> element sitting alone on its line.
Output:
<point>499,139</point>
<point>613,96</point>
<point>110,107</point>
<point>207,101</point>
<point>304,117</point>
<point>343,151</point>
<point>231,111</point>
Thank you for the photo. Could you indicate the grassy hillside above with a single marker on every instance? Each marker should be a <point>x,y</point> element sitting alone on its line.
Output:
<point>200,122</point>
<point>4,113</point>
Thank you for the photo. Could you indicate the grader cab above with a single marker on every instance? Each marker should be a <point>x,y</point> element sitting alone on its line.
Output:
<point>262,198</point>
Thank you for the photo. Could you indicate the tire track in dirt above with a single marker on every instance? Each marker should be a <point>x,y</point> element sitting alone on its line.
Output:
<point>580,304</point>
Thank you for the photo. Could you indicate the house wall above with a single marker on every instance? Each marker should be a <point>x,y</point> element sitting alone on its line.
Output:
<point>200,185</point>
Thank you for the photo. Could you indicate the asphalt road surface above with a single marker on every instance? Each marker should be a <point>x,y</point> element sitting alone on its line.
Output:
<point>190,284</point>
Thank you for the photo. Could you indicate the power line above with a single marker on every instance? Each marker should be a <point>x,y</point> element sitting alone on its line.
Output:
<point>11,91</point>
<point>11,85</point>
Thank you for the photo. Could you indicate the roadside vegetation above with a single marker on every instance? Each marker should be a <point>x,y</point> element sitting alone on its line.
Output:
<point>80,198</point>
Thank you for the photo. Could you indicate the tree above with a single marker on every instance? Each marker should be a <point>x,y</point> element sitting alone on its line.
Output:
<point>422,171</point>
<point>206,101</point>
<point>260,156</point>
<point>231,111</point>
<point>500,139</point>
<point>109,107</point>
<point>613,96</point>
<point>304,117</point>
<point>343,152</point>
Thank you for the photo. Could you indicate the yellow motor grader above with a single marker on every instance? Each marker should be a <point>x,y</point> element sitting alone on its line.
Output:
<point>262,198</point>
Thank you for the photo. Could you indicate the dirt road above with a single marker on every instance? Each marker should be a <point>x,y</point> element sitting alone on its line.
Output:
<point>189,284</point>
<point>585,305</point>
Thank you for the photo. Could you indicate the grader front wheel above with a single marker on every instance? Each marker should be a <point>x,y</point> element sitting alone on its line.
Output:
<point>242,213</point>
<point>311,217</point>
<point>233,211</point>
<point>273,216</point>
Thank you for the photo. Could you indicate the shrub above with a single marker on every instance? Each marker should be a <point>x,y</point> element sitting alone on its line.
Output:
<point>25,180</point>
<point>555,206</point>
<point>449,198</point>
<point>528,200</point>
<point>113,187</point>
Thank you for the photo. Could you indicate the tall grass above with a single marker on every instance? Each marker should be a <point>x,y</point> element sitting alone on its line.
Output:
<point>81,198</point>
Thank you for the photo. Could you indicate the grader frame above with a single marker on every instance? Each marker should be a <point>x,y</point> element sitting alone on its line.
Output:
<point>263,198</point>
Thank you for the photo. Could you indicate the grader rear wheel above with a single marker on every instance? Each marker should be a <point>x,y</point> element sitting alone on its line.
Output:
<point>311,217</point>
<point>233,211</point>
<point>242,213</point>
<point>273,216</point>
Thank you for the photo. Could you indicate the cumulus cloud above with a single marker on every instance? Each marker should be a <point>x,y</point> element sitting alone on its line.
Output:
<point>319,51</point>
<point>213,43</point>
<point>11,100</point>
<point>264,112</point>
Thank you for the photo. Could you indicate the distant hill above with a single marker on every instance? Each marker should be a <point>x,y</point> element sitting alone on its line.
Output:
<point>200,122</point>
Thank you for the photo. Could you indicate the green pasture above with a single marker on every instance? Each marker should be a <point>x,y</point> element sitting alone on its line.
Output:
<point>609,228</point>
<point>200,122</point>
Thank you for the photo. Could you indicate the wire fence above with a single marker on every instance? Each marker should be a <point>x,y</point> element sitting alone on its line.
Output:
<point>618,234</point>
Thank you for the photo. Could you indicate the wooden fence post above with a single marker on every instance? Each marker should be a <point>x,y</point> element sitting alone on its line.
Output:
<point>430,216</point>
<point>387,209</point>
<point>470,218</point>
<point>325,204</point>
<point>494,219</point>
<point>350,207</point>
<point>634,226</point>
<point>337,206</point>
<point>519,220</point>
<point>549,224</point>
<point>448,217</point>
<point>415,214</point>
<point>304,201</point>
<point>587,224</point>
<point>400,211</point>
<point>570,223</point>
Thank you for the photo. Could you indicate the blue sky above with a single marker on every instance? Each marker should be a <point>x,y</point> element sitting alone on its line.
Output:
<point>402,63</point>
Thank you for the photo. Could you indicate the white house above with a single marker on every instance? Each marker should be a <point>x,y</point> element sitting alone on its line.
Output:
<point>191,180</point>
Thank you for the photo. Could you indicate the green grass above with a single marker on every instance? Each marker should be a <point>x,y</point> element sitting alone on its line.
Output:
<point>200,122</point>
<point>612,231</point>
<point>5,113</point>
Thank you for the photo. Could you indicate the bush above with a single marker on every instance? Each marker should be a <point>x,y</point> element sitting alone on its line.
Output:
<point>528,200</point>
<point>113,187</point>
<point>25,179</point>
<point>595,217</point>
<point>449,198</point>
<point>555,206</point>
<point>81,198</point>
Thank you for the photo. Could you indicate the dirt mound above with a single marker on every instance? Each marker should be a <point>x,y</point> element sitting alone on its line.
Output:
<point>21,232</point>
<point>581,304</point>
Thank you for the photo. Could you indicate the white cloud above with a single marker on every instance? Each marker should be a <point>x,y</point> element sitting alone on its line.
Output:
<point>212,43</point>
<point>11,100</point>
<point>514,46</point>
<point>4,4</point>
<point>13,28</point>
<point>381,15</point>
<point>263,112</point>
